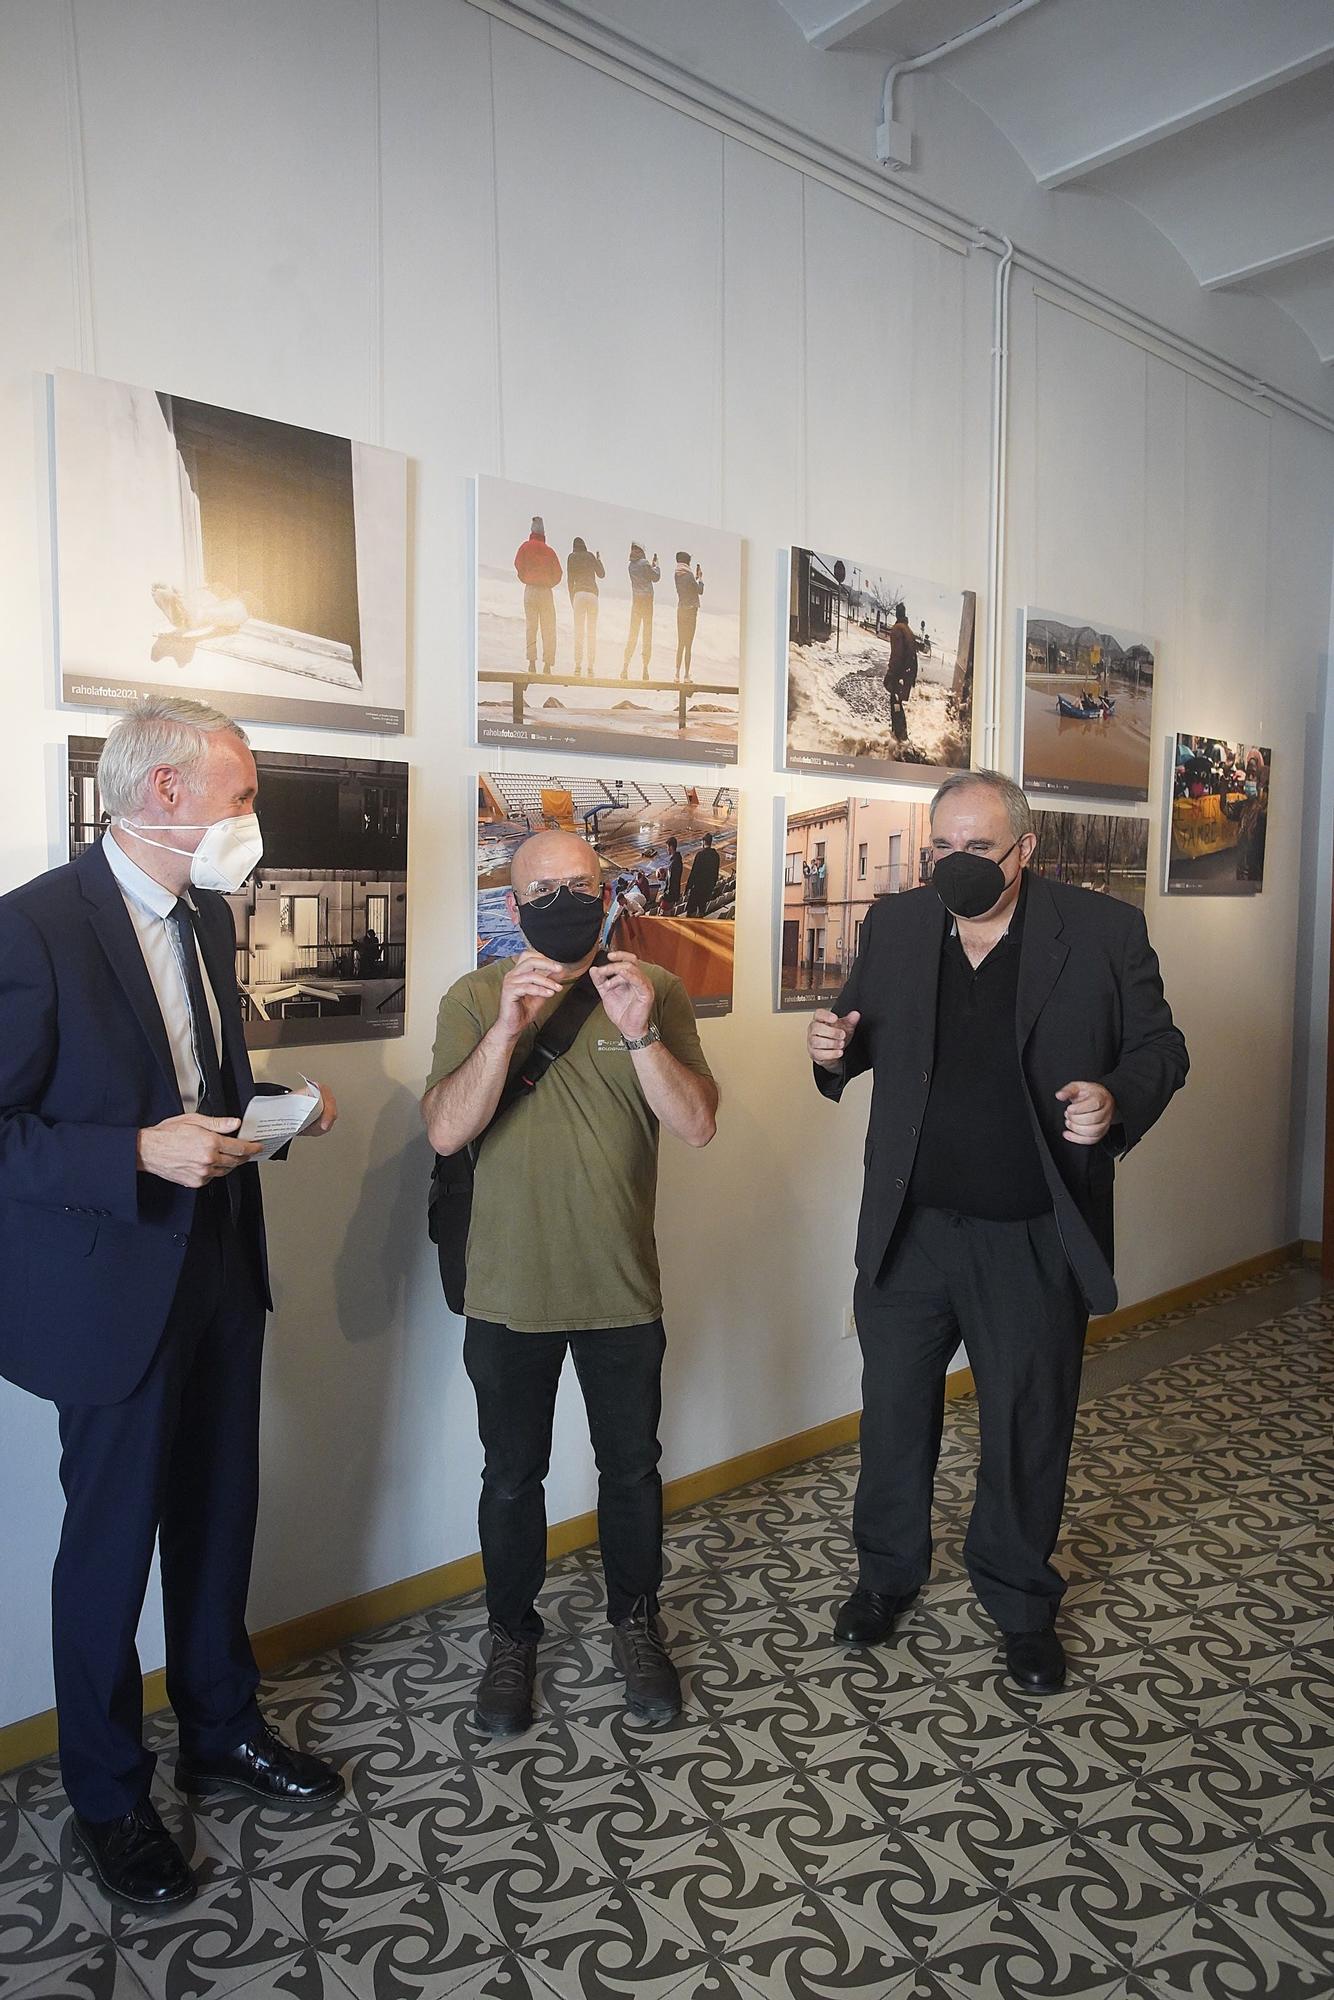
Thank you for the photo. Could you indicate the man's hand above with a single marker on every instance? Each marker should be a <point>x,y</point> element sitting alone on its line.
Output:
<point>192,1151</point>
<point>1090,1112</point>
<point>625,992</point>
<point>828,1036</point>
<point>328,1112</point>
<point>531,981</point>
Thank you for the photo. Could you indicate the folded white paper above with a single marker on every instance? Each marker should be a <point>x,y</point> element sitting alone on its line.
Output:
<point>274,1121</point>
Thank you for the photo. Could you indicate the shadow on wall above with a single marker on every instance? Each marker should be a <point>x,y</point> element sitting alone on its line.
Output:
<point>384,1235</point>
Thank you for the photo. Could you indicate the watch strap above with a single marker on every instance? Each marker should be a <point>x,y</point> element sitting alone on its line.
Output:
<point>644,1041</point>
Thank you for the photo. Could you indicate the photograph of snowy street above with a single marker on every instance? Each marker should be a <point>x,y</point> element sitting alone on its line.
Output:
<point>879,670</point>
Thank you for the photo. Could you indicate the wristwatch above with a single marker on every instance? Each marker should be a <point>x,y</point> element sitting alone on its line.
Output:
<point>644,1041</point>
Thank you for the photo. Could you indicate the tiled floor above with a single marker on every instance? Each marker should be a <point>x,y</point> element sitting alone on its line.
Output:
<point>820,1822</point>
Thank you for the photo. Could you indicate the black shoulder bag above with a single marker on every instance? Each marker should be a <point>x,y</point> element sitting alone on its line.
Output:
<point>449,1204</point>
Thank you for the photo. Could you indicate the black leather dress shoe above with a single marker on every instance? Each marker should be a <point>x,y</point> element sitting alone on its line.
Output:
<point>136,1860</point>
<point>868,1617</point>
<point>1035,1661</point>
<point>265,1767</point>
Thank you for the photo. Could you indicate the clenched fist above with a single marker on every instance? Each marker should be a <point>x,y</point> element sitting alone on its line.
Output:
<point>828,1036</point>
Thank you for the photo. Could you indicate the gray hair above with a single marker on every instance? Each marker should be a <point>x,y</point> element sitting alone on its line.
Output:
<point>1017,809</point>
<point>166,730</point>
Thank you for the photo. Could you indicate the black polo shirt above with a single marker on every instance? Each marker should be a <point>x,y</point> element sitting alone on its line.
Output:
<point>977,1153</point>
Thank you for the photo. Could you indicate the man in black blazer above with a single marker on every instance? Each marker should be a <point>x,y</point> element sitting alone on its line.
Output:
<point>1020,1044</point>
<point>135,1277</point>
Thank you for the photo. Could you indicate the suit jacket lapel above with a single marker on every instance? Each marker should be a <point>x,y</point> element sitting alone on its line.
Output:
<point>1041,957</point>
<point>917,1022</point>
<point>221,970</point>
<point>116,935</point>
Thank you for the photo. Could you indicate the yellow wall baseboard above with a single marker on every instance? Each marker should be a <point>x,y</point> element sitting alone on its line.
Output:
<point>317,1631</point>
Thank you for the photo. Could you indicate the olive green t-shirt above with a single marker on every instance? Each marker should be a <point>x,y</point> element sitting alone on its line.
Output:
<point>562,1214</point>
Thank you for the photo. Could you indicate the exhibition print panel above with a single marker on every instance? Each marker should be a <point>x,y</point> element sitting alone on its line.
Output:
<point>838,859</point>
<point>322,924</point>
<point>879,670</point>
<point>604,628</point>
<point>1088,708</point>
<point>1105,852</point>
<point>1218,817</point>
<point>205,552</point>
<point>672,905</point>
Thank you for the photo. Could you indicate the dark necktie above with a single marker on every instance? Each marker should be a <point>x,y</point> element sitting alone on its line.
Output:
<point>213,1099</point>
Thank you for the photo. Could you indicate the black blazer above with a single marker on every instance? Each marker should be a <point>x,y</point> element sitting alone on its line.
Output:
<point>91,1249</point>
<point>1090,1008</point>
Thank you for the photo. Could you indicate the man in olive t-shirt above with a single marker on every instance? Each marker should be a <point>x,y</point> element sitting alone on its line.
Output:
<point>561,1254</point>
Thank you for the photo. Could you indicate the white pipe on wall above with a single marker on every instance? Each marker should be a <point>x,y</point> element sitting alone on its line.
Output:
<point>928,56</point>
<point>1000,430</point>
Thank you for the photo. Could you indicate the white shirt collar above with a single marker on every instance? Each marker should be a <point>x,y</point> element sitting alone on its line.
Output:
<point>149,895</point>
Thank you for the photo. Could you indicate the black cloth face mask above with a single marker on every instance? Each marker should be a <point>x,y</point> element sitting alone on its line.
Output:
<point>564,926</point>
<point>970,884</point>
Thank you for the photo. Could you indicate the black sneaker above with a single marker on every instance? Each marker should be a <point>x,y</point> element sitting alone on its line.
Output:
<point>505,1697</point>
<point>652,1685</point>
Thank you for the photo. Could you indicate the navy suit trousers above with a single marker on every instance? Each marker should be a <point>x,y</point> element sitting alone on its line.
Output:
<point>176,1461</point>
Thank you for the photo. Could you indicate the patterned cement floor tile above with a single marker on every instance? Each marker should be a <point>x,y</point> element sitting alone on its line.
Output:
<point>22,1853</point>
<point>1223,1782</point>
<point>914,1896</point>
<point>1273,1891</point>
<point>1306,1829</point>
<point>459,1812</point>
<point>1093,1892</point>
<point>521,1884</point>
<point>46,1924</point>
<point>1011,1950</point>
<point>627,1823</point>
<point>1212,1955</point>
<point>223,1941</point>
<point>1161,1834</point>
<point>345,1876</point>
<point>419,1946</point>
<point>987,1830</point>
<point>621,1946</point>
<point>105,1974</point>
<point>813,1949</point>
<point>716,1888</point>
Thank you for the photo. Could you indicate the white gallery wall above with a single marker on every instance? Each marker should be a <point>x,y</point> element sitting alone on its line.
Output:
<point>419,225</point>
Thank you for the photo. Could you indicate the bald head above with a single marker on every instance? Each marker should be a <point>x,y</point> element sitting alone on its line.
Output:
<point>554,858</point>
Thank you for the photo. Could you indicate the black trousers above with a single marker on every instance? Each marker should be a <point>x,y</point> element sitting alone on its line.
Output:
<point>515,1377</point>
<point>1006,1289</point>
<point>176,1461</point>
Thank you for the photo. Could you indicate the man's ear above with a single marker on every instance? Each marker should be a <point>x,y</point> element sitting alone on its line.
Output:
<point>512,905</point>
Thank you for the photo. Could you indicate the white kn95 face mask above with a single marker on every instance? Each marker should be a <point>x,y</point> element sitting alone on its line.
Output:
<point>231,849</point>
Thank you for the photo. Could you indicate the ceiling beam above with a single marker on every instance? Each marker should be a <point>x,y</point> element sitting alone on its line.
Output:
<point>1216,281</point>
<point>848,21</point>
<point>1196,114</point>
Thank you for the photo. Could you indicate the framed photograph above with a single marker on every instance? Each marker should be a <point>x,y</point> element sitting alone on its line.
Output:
<point>322,924</point>
<point>837,859</point>
<point>1088,708</point>
<point>603,628</point>
<point>1105,852</point>
<point>1217,817</point>
<point>228,557</point>
<point>669,868</point>
<point>879,670</point>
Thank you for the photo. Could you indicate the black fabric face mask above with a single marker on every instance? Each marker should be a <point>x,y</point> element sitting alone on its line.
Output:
<point>564,926</point>
<point>970,884</point>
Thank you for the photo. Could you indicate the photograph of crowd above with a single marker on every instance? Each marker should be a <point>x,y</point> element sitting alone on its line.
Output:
<point>837,859</point>
<point>1088,703</point>
<point>879,670</point>
<point>1219,815</point>
<point>668,857</point>
<point>599,624</point>
<point>1106,852</point>
<point>322,924</point>
<point>240,561</point>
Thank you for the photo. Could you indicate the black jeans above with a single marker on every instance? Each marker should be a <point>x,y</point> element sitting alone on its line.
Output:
<point>1006,1289</point>
<point>515,1377</point>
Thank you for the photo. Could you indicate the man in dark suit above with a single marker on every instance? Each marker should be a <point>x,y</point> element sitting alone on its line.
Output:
<point>1020,1044</point>
<point>704,871</point>
<point>135,1277</point>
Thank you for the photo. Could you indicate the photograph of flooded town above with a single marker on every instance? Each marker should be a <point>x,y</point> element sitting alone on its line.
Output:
<point>1088,708</point>
<point>322,924</point>
<point>601,627</point>
<point>1218,817</point>
<point>669,868</point>
<point>879,670</point>
<point>838,859</point>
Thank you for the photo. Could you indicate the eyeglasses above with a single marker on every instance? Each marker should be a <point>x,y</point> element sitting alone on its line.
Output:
<point>541,894</point>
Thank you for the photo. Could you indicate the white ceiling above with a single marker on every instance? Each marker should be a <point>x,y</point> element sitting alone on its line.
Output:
<point>1214,118</point>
